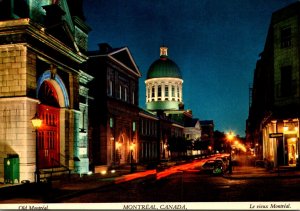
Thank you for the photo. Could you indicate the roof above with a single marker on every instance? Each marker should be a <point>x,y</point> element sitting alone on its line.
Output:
<point>122,56</point>
<point>164,68</point>
<point>191,122</point>
<point>206,122</point>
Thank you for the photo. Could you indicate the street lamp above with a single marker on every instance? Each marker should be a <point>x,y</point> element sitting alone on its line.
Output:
<point>230,137</point>
<point>132,145</point>
<point>37,123</point>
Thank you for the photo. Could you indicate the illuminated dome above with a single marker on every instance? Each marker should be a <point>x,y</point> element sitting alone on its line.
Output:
<point>163,68</point>
<point>163,84</point>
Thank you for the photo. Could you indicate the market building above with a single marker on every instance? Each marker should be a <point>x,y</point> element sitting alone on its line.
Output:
<point>273,122</point>
<point>164,98</point>
<point>43,48</point>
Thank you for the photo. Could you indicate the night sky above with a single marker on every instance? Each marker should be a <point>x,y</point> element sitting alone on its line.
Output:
<point>215,43</point>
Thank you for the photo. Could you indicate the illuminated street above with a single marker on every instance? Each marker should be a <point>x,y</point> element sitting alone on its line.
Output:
<point>193,186</point>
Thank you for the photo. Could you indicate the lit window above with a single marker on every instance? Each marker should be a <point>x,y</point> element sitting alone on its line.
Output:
<point>159,91</point>
<point>133,97</point>
<point>166,92</point>
<point>133,126</point>
<point>111,122</point>
<point>153,93</point>
<point>120,92</point>
<point>125,94</point>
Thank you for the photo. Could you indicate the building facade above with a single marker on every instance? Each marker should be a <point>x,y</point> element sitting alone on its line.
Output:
<point>148,137</point>
<point>114,116</point>
<point>273,123</point>
<point>42,50</point>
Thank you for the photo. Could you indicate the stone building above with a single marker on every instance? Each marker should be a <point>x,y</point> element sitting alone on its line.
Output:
<point>114,116</point>
<point>42,49</point>
<point>273,122</point>
<point>148,137</point>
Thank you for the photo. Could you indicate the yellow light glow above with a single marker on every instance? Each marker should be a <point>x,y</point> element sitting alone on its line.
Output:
<point>36,121</point>
<point>132,146</point>
<point>118,145</point>
<point>103,172</point>
<point>230,135</point>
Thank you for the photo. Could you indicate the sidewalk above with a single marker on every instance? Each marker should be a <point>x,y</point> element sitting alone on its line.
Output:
<point>250,172</point>
<point>57,190</point>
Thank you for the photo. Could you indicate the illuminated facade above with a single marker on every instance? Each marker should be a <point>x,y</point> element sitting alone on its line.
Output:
<point>273,123</point>
<point>42,49</point>
<point>114,119</point>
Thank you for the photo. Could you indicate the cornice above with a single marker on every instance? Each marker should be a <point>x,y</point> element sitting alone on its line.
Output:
<point>26,26</point>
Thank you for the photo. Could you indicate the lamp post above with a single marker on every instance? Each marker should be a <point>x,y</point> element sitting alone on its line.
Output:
<point>132,145</point>
<point>230,137</point>
<point>37,123</point>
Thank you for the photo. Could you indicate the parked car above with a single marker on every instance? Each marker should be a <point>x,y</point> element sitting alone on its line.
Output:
<point>225,162</point>
<point>213,166</point>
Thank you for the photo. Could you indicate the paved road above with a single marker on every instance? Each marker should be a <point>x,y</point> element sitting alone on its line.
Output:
<point>192,186</point>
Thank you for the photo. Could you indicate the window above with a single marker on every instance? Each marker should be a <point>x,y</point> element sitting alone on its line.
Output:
<point>159,91</point>
<point>286,37</point>
<point>110,87</point>
<point>133,126</point>
<point>153,93</point>
<point>111,122</point>
<point>166,92</point>
<point>125,94</point>
<point>173,92</point>
<point>178,94</point>
<point>133,97</point>
<point>120,92</point>
<point>286,81</point>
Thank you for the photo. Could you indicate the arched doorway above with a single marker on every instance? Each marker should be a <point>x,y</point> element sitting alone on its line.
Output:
<point>48,135</point>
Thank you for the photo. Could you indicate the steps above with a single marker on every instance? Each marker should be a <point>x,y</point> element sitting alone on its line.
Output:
<point>52,173</point>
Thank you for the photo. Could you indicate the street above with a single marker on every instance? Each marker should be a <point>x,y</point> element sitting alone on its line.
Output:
<point>193,186</point>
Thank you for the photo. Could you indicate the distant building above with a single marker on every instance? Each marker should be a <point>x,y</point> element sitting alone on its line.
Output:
<point>207,135</point>
<point>43,48</point>
<point>114,116</point>
<point>192,132</point>
<point>273,122</point>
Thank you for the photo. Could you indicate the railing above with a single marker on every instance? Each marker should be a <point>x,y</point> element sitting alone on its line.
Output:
<point>54,161</point>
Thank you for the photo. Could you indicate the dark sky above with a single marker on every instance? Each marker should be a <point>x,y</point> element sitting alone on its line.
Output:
<point>215,43</point>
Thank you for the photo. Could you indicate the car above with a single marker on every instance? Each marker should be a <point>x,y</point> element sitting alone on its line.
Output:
<point>225,161</point>
<point>213,166</point>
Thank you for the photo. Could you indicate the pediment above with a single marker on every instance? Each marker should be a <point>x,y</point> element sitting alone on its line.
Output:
<point>124,58</point>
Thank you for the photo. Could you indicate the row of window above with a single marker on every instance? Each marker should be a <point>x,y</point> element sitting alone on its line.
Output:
<point>168,94</point>
<point>47,140</point>
<point>49,119</point>
<point>148,127</point>
<point>123,92</point>
<point>149,151</point>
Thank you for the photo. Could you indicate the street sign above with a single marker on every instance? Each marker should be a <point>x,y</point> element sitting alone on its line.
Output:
<point>276,135</point>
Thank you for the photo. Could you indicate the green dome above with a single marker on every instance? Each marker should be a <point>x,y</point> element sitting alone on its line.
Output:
<point>164,68</point>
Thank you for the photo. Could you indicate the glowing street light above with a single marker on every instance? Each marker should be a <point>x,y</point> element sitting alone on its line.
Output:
<point>37,123</point>
<point>230,137</point>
